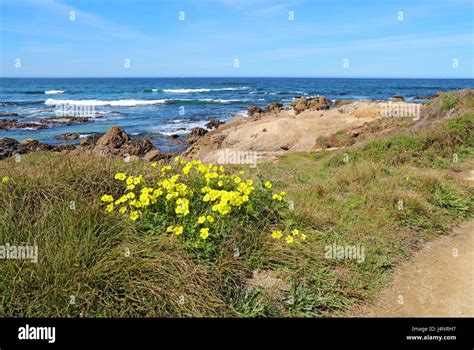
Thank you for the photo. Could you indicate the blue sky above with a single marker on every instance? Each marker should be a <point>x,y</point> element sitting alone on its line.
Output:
<point>431,36</point>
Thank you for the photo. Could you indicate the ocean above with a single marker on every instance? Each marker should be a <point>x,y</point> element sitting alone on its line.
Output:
<point>157,108</point>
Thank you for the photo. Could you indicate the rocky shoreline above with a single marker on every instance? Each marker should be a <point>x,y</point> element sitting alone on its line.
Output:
<point>284,129</point>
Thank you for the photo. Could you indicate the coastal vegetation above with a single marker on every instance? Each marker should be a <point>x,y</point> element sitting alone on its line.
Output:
<point>199,240</point>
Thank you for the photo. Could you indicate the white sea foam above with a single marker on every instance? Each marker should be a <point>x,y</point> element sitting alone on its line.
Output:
<point>131,103</point>
<point>220,100</point>
<point>190,91</point>
<point>243,113</point>
<point>122,103</point>
<point>54,92</point>
<point>172,128</point>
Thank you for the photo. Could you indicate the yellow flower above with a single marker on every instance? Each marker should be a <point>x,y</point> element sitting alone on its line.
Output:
<point>145,199</point>
<point>241,172</point>
<point>105,198</point>
<point>122,210</point>
<point>277,197</point>
<point>182,206</point>
<point>135,203</point>
<point>138,180</point>
<point>134,215</point>
<point>129,180</point>
<point>187,168</point>
<point>120,176</point>
<point>130,187</point>
<point>277,234</point>
<point>5,179</point>
<point>157,193</point>
<point>210,218</point>
<point>201,219</point>
<point>131,195</point>
<point>303,237</point>
<point>121,200</point>
<point>220,183</point>
<point>289,239</point>
<point>177,159</point>
<point>154,164</point>
<point>282,193</point>
<point>295,232</point>
<point>178,230</point>
<point>204,233</point>
<point>268,184</point>
<point>109,208</point>
<point>165,168</point>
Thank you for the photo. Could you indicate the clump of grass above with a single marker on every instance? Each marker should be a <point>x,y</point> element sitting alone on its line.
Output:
<point>450,100</point>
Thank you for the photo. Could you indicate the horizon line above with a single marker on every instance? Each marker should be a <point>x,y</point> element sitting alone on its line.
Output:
<point>226,77</point>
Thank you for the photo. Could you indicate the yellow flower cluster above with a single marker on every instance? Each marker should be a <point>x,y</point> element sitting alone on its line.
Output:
<point>187,198</point>
<point>292,237</point>
<point>5,179</point>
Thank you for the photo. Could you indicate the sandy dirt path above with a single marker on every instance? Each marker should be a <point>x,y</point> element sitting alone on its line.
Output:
<point>437,282</point>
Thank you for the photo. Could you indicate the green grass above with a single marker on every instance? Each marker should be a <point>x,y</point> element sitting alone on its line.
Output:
<point>83,253</point>
<point>450,100</point>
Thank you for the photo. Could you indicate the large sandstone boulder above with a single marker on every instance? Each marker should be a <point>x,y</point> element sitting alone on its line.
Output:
<point>319,103</point>
<point>112,140</point>
<point>300,104</point>
<point>115,142</point>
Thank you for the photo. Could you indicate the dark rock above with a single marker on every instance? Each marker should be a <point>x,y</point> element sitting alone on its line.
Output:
<point>274,106</point>
<point>35,146</point>
<point>10,147</point>
<point>195,134</point>
<point>398,98</point>
<point>8,115</point>
<point>69,136</point>
<point>90,141</point>
<point>254,110</point>
<point>136,147</point>
<point>214,124</point>
<point>7,124</point>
